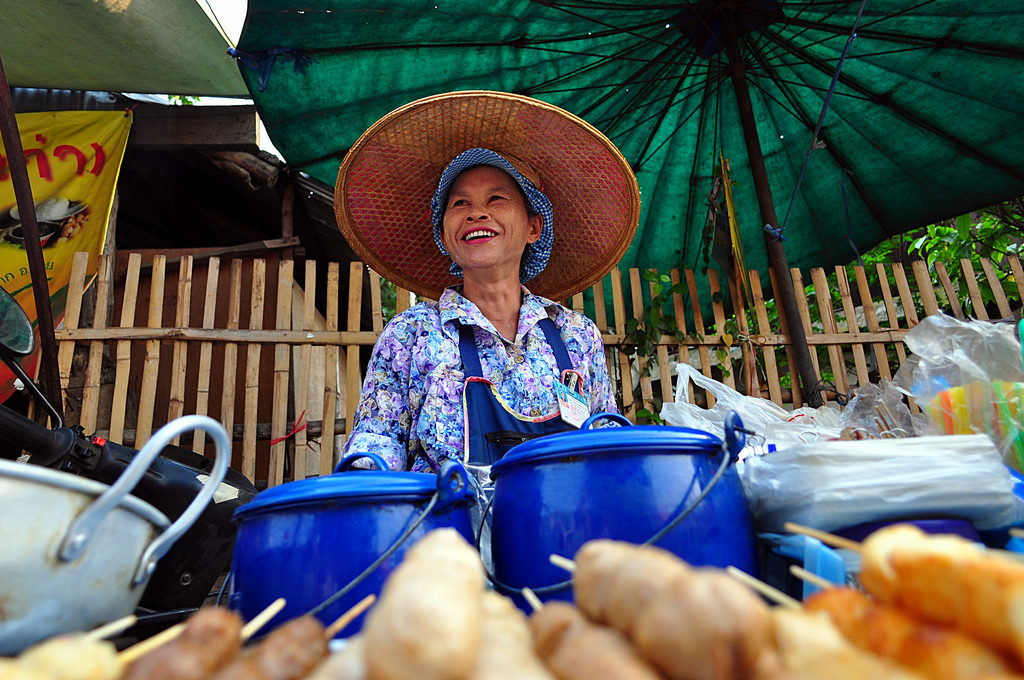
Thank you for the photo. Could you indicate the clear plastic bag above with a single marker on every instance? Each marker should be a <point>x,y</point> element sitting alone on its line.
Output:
<point>831,485</point>
<point>967,376</point>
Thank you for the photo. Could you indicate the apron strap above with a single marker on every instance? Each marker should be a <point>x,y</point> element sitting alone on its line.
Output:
<point>471,360</point>
<point>556,344</point>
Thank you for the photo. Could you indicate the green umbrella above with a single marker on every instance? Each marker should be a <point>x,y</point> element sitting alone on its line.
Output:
<point>923,121</point>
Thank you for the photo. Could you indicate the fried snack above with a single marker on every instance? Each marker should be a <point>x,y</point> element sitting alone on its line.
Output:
<point>614,581</point>
<point>211,639</point>
<point>289,652</point>
<point>929,650</point>
<point>949,581</point>
<point>348,663</point>
<point>574,648</point>
<point>427,622</point>
<point>506,645</point>
<point>72,657</point>
<point>704,626</point>
<point>811,647</point>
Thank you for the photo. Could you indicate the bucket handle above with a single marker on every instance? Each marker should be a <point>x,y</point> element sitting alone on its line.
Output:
<point>618,418</point>
<point>345,463</point>
<point>82,529</point>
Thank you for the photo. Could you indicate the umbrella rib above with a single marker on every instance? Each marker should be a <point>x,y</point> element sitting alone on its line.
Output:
<point>677,86</point>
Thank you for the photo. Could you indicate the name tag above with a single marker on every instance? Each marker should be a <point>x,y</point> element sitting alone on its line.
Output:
<point>573,407</point>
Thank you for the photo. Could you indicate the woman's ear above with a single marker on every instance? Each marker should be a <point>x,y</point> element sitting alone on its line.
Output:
<point>536,223</point>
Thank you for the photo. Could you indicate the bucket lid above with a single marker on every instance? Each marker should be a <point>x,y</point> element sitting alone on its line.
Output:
<point>351,485</point>
<point>643,439</point>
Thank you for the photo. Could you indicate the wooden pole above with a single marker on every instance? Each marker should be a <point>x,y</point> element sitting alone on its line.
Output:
<point>37,267</point>
<point>776,252</point>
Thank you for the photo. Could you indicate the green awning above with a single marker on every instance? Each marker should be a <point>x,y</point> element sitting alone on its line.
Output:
<point>924,122</point>
<point>147,46</point>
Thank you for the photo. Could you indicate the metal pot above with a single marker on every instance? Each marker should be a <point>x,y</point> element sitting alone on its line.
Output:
<point>78,553</point>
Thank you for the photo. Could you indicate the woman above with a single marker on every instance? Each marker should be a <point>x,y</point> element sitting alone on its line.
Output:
<point>491,363</point>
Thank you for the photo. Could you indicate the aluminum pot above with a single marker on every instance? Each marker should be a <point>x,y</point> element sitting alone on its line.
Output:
<point>77,553</point>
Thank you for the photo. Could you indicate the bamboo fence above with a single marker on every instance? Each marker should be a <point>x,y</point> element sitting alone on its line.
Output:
<point>245,344</point>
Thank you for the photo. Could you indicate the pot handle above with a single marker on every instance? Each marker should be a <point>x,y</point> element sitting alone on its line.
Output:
<point>85,525</point>
<point>620,419</point>
<point>345,463</point>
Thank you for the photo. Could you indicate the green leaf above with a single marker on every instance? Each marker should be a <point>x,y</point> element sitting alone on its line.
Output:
<point>649,275</point>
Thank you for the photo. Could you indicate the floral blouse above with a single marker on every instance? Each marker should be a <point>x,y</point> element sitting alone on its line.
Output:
<point>410,409</point>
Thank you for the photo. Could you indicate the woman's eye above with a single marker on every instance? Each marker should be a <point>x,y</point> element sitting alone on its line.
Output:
<point>498,197</point>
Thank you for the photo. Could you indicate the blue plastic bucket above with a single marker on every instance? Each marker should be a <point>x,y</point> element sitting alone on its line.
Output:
<point>308,539</point>
<point>553,494</point>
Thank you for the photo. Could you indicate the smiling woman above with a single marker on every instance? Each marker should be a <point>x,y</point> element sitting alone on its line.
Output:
<point>520,194</point>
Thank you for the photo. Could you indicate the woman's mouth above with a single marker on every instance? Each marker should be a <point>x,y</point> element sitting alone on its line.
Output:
<point>478,234</point>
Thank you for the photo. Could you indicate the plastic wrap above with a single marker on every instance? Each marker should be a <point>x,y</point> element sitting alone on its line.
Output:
<point>967,377</point>
<point>830,485</point>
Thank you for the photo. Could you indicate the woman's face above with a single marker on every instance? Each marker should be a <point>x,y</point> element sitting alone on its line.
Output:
<point>486,223</point>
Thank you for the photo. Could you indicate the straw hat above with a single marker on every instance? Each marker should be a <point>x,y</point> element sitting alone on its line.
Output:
<point>382,197</point>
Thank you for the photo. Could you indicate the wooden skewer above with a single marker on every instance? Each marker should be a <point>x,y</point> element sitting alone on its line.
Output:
<point>260,620</point>
<point>150,643</point>
<point>563,563</point>
<point>135,651</point>
<point>532,599</point>
<point>112,628</point>
<point>823,536</point>
<point>350,616</point>
<point>811,578</point>
<point>768,591</point>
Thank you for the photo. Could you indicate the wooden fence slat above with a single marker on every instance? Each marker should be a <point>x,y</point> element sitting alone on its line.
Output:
<point>906,297</point>
<point>179,349</point>
<point>977,303</point>
<point>72,313</point>
<point>94,369</point>
<point>330,401</point>
<point>643,362</point>
<point>282,372</point>
<point>123,365</point>
<point>852,325</point>
<point>355,304</point>
<point>748,380</point>
<point>206,350</point>
<point>871,318</point>
<point>664,374</point>
<point>302,401</point>
<point>951,293</point>
<point>403,300</point>
<point>683,350</point>
<point>996,286</point>
<point>252,368</point>
<point>924,287</point>
<point>151,363</point>
<point>891,316</point>
<point>700,330</point>
<point>577,303</point>
<point>227,403</point>
<point>836,360</point>
<point>625,371</point>
<point>1018,275</point>
<point>794,374</point>
<point>376,307</point>
<point>771,366</point>
<point>805,319</point>
<point>718,310</point>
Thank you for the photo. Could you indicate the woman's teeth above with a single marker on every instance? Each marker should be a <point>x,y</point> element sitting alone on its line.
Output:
<point>473,235</point>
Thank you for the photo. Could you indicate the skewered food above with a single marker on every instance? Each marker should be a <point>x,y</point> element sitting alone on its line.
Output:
<point>950,581</point>
<point>929,650</point>
<point>506,645</point>
<point>210,640</point>
<point>71,657</point>
<point>812,647</point>
<point>427,622</point>
<point>574,648</point>
<point>289,652</point>
<point>692,624</point>
<point>348,663</point>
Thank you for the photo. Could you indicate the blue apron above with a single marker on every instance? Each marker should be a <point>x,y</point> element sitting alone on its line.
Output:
<point>490,428</point>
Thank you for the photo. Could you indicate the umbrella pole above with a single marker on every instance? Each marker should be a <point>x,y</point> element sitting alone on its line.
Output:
<point>33,249</point>
<point>776,251</point>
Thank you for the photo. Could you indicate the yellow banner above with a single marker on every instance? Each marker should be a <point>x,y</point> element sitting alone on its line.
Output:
<point>73,160</point>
